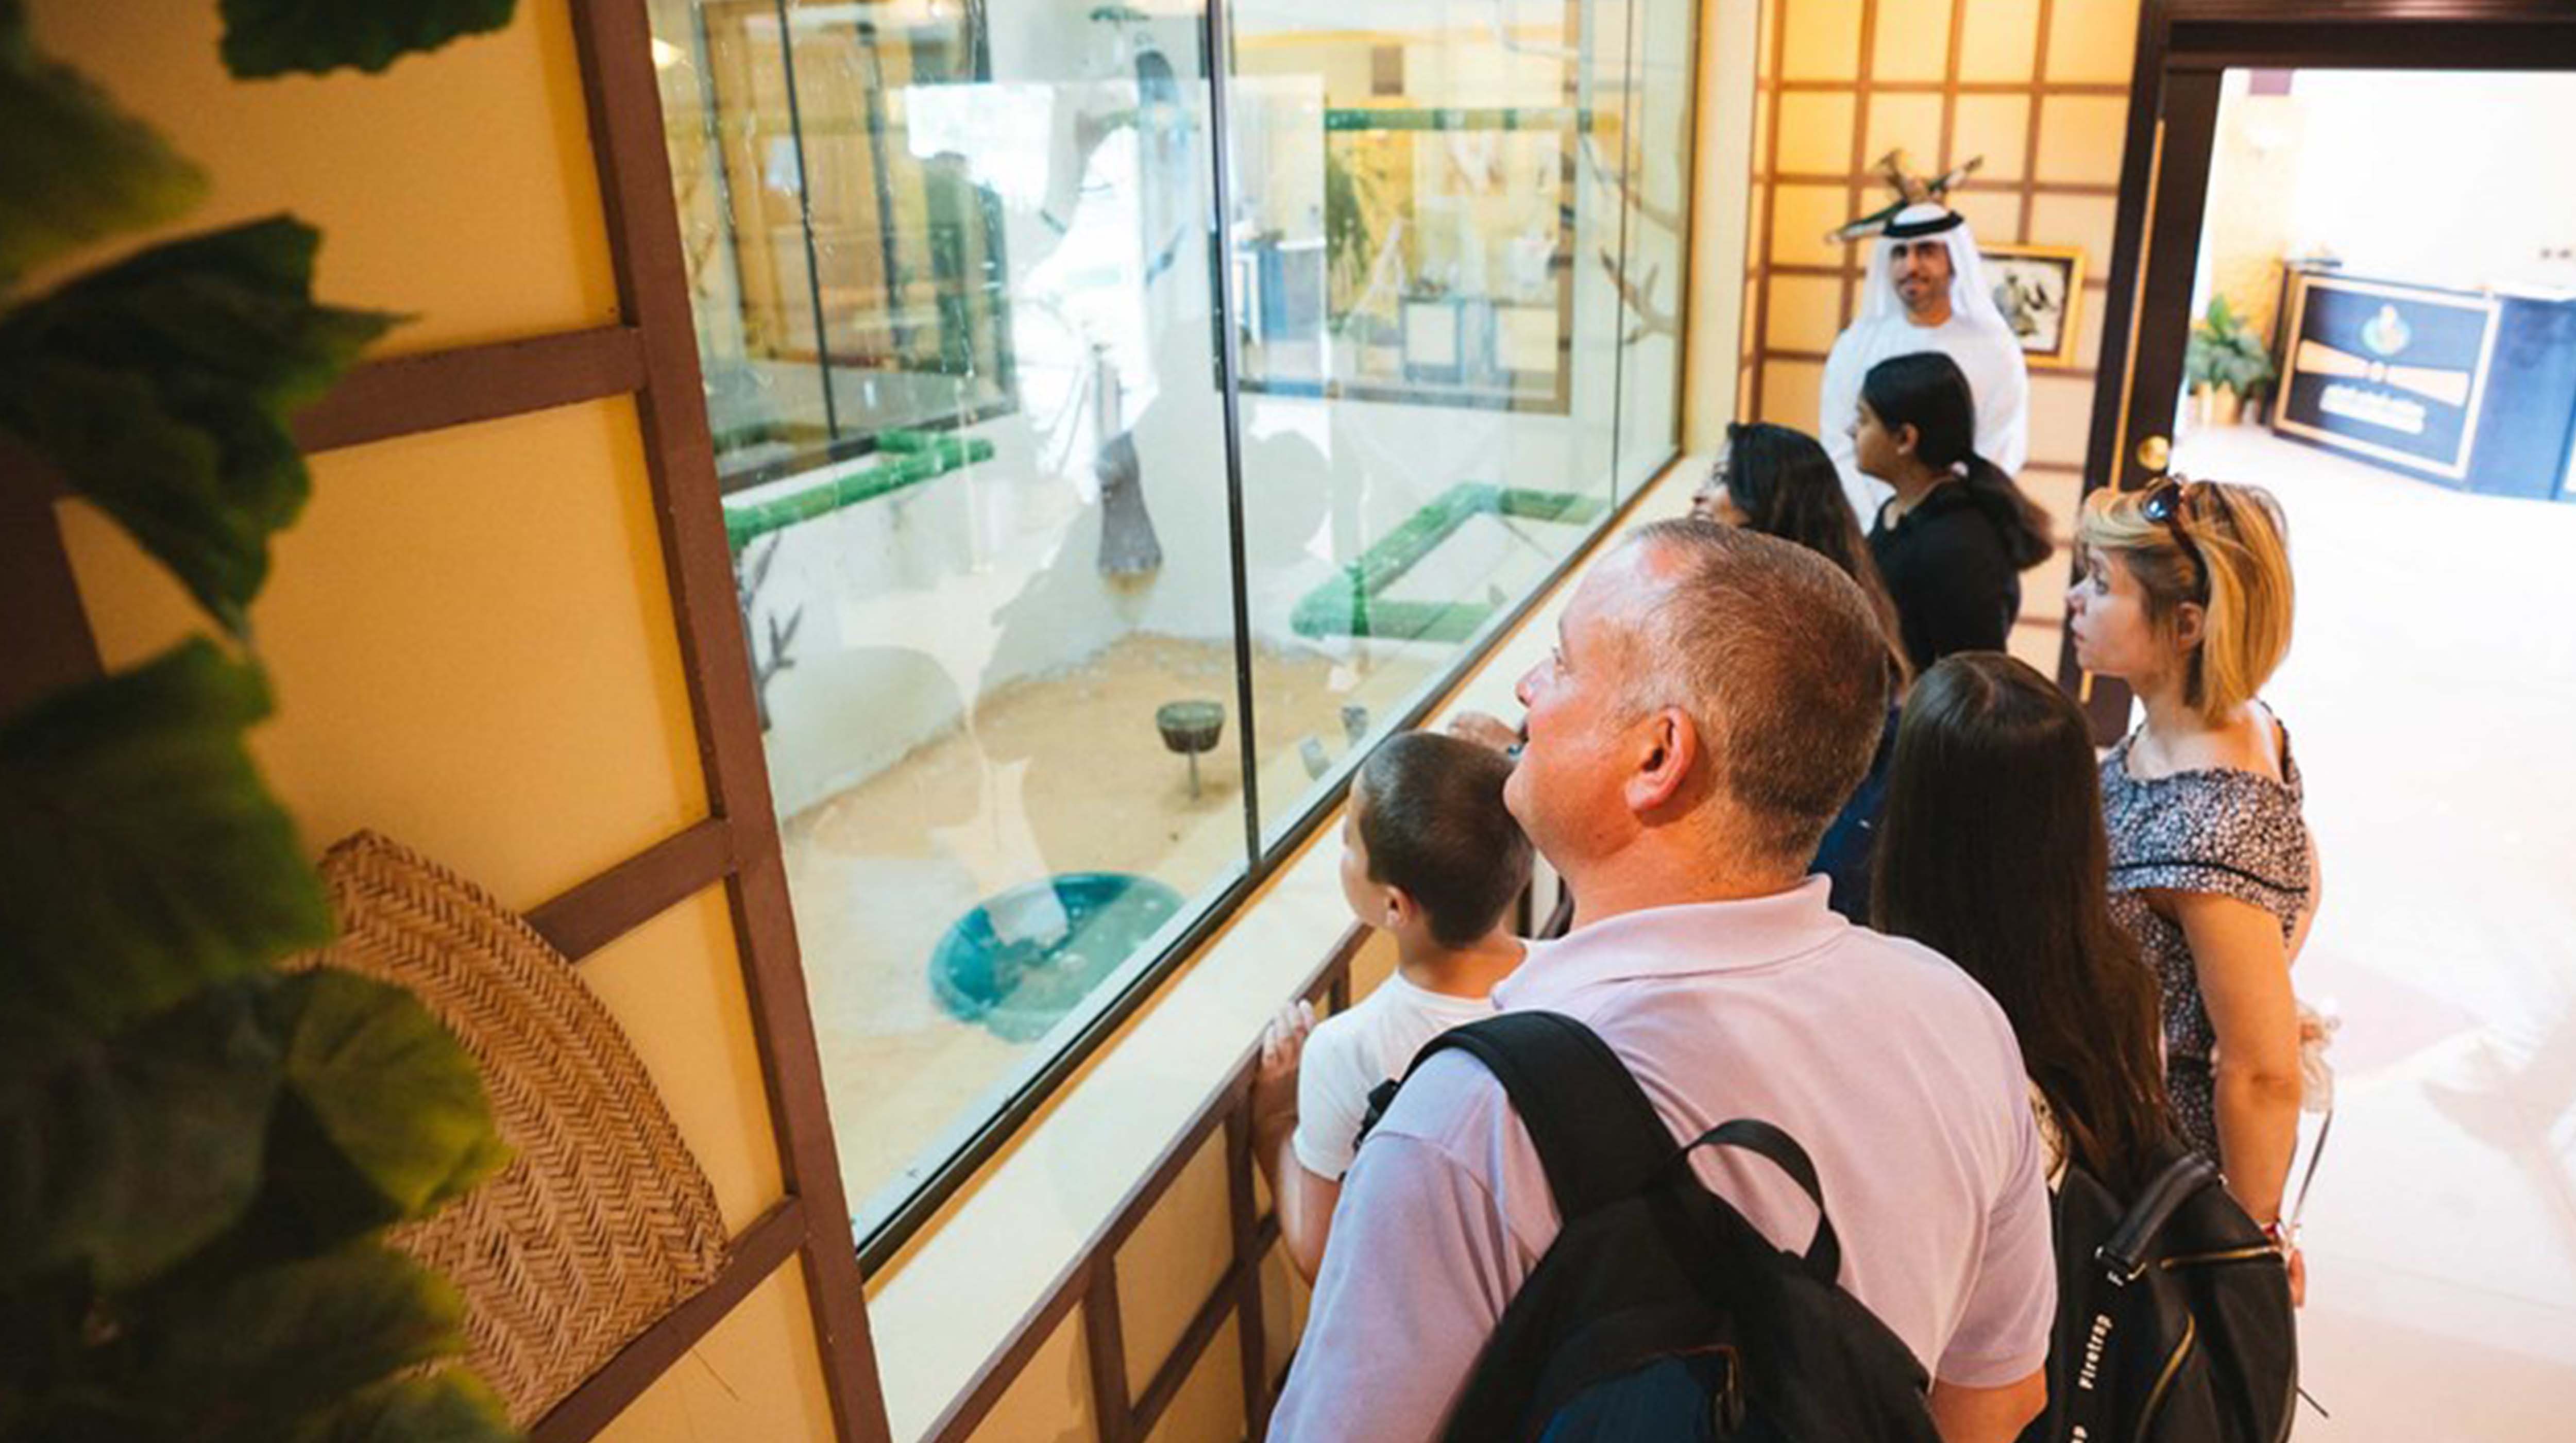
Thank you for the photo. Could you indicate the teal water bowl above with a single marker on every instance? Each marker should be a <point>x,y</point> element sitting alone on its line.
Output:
<point>1021,959</point>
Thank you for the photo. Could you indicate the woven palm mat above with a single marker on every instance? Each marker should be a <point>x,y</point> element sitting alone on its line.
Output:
<point>602,1222</point>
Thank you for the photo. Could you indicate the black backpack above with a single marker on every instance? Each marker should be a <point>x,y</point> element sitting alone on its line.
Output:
<point>1659,1313</point>
<point>2173,1315</point>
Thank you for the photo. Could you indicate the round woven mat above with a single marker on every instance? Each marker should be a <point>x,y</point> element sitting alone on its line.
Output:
<point>602,1222</point>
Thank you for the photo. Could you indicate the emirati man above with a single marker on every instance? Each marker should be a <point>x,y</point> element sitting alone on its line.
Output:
<point>1926,291</point>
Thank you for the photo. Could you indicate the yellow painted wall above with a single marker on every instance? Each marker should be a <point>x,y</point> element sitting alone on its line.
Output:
<point>456,186</point>
<point>1714,353</point>
<point>756,1376</point>
<point>2049,115</point>
<point>469,631</point>
<point>1050,1400</point>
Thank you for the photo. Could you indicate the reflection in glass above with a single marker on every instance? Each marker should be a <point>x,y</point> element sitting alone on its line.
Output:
<point>848,263</point>
<point>740,188</point>
<point>1402,252</point>
<point>1429,429</point>
<point>956,267</point>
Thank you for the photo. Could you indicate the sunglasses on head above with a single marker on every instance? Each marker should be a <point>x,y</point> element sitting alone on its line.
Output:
<point>2166,506</point>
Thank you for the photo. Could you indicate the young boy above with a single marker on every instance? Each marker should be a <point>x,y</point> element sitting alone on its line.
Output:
<point>1429,855</point>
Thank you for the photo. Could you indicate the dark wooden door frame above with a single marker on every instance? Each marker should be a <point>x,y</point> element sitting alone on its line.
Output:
<point>2183,49</point>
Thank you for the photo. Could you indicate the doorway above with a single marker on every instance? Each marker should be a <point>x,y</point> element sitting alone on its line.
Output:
<point>2378,209</point>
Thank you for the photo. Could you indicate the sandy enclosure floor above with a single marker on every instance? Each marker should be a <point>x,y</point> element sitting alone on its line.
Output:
<point>1056,774</point>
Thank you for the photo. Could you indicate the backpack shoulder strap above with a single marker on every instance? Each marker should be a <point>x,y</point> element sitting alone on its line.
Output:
<point>2124,1253</point>
<point>1598,1137</point>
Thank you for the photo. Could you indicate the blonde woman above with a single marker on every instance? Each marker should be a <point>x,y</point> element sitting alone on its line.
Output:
<point>2186,596</point>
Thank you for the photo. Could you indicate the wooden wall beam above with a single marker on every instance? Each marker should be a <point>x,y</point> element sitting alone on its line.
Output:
<point>1193,1346</point>
<point>1252,1326</point>
<point>597,912</point>
<point>1104,1352</point>
<point>623,93</point>
<point>430,391</point>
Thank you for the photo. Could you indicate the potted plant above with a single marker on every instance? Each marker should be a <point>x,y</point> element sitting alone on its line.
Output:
<point>204,1153</point>
<point>2225,364</point>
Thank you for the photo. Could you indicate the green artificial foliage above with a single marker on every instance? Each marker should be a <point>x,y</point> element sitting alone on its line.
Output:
<point>2224,354</point>
<point>132,1150</point>
<point>288,1341</point>
<point>449,1407</point>
<point>279,37</point>
<point>194,1207</point>
<point>144,858</point>
<point>200,1153</point>
<point>160,387</point>
<point>380,1101</point>
<point>96,172</point>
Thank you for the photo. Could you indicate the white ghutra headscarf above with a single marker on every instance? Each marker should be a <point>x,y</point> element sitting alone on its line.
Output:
<point>1972,301</point>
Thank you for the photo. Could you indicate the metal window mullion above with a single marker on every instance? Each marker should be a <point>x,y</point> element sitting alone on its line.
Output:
<point>1229,362</point>
<point>805,223</point>
<point>1627,148</point>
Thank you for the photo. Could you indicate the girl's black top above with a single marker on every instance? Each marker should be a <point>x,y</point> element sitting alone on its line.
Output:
<point>1950,574</point>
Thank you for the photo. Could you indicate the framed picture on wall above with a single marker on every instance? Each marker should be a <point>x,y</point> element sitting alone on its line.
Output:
<point>2038,289</point>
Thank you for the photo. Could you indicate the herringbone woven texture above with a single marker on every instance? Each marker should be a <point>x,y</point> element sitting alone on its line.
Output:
<point>602,1222</point>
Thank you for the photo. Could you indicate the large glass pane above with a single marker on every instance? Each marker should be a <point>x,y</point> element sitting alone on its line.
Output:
<point>970,607</point>
<point>1425,237</point>
<point>957,282</point>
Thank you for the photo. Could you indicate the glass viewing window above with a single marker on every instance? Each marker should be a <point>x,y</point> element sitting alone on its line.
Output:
<point>1092,511</point>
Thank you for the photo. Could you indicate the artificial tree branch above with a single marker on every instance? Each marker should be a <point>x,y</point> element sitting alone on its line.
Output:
<point>1672,221</point>
<point>1651,318</point>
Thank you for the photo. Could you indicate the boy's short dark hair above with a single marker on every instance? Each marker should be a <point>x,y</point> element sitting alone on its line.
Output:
<point>1431,815</point>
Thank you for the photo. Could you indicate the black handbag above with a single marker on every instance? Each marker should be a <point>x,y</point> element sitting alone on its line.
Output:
<point>2174,1322</point>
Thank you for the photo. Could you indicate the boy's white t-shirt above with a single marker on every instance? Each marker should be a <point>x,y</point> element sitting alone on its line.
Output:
<point>1350,1053</point>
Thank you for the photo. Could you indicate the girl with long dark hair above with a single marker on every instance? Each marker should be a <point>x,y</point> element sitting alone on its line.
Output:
<point>1991,851</point>
<point>1780,482</point>
<point>1955,538</point>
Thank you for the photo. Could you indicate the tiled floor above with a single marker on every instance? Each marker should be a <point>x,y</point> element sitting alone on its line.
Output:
<point>2431,695</point>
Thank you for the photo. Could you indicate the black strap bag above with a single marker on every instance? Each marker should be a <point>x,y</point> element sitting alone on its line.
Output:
<point>1660,1313</point>
<point>2173,1315</point>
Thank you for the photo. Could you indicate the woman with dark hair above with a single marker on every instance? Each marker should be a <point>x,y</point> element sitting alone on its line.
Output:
<point>1955,538</point>
<point>1781,483</point>
<point>1992,852</point>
